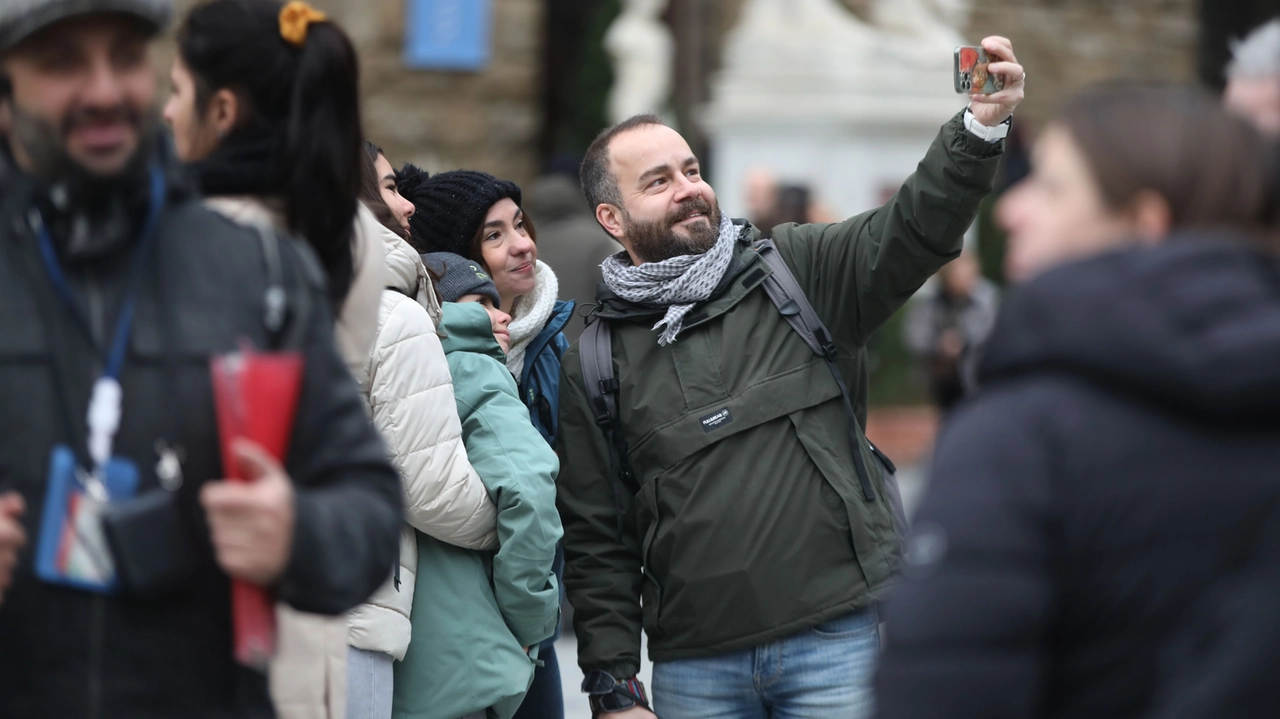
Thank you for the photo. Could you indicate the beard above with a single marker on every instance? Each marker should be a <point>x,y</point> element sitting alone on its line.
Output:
<point>45,143</point>
<point>657,240</point>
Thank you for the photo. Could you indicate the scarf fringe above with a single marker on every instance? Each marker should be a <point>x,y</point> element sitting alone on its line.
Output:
<point>677,283</point>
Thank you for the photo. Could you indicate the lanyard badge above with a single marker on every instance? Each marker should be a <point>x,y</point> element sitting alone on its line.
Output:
<point>72,549</point>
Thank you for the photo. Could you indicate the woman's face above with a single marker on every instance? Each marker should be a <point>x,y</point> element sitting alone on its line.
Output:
<point>194,134</point>
<point>1057,213</point>
<point>508,252</point>
<point>400,207</point>
<point>497,319</point>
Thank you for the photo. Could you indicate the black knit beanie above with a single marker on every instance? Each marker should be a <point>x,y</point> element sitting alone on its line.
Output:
<point>449,207</point>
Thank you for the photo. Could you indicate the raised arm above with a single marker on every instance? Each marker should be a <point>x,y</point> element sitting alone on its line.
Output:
<point>857,273</point>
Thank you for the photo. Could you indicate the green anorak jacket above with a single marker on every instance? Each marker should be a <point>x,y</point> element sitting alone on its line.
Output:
<point>750,524</point>
<point>474,612</point>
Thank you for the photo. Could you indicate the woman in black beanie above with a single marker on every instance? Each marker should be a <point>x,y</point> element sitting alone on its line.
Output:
<point>480,217</point>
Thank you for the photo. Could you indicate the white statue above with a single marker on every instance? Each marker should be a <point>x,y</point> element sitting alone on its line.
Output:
<point>776,37</point>
<point>824,38</point>
<point>643,53</point>
<point>930,28</point>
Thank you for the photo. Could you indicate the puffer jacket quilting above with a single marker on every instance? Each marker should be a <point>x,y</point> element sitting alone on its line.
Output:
<point>410,394</point>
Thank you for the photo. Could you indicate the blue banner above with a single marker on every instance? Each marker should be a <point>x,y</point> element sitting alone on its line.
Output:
<point>447,34</point>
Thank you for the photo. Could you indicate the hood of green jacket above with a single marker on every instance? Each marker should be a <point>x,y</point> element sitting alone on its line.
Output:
<point>466,328</point>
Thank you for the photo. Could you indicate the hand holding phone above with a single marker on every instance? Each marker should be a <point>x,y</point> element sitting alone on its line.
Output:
<point>995,81</point>
<point>12,537</point>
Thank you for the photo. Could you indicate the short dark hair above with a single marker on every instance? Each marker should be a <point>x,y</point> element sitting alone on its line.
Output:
<point>1213,168</point>
<point>598,183</point>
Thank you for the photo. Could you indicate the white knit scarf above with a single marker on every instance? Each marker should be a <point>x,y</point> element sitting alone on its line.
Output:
<point>529,315</point>
<point>677,283</point>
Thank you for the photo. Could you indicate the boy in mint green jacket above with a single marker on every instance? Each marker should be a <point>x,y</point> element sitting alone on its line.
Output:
<point>477,614</point>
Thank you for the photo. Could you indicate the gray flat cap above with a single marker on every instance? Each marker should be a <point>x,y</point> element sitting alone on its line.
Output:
<point>19,19</point>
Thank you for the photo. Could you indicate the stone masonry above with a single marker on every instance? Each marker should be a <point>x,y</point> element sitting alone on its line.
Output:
<point>484,120</point>
<point>489,120</point>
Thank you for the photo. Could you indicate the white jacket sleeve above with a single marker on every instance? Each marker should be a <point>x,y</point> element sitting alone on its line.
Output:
<point>410,395</point>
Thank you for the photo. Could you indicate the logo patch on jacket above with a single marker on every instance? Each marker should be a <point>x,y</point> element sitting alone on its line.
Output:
<point>716,420</point>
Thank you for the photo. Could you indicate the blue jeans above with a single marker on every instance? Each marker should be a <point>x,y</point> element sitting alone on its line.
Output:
<point>370,684</point>
<point>820,673</point>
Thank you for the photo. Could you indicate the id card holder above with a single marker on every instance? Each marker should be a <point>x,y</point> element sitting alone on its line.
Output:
<point>72,549</point>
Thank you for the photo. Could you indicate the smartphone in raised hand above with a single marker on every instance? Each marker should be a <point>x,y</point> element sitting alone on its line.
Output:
<point>971,73</point>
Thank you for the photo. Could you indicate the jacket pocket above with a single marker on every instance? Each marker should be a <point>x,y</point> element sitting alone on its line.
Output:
<point>871,524</point>
<point>849,625</point>
<point>651,591</point>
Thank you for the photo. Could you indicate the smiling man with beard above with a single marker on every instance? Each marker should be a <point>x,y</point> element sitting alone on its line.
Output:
<point>116,288</point>
<point>751,544</point>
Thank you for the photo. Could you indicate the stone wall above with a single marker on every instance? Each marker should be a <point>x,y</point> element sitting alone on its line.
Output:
<point>1068,44</point>
<point>446,120</point>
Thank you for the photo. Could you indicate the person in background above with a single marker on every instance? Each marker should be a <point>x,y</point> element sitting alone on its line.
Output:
<point>946,328</point>
<point>480,217</point>
<point>88,176</point>
<point>571,241</point>
<point>265,106</point>
<point>258,165</point>
<point>1121,453</point>
<point>760,190</point>
<point>478,615</point>
<point>1253,78</point>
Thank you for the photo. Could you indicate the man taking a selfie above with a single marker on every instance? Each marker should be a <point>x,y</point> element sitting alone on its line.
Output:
<point>714,465</point>
<point>118,538</point>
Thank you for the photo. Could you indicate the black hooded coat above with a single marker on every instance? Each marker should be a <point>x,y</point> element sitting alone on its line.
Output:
<point>1118,465</point>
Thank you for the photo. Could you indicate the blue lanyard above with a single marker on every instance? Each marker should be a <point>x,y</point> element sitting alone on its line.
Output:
<point>124,323</point>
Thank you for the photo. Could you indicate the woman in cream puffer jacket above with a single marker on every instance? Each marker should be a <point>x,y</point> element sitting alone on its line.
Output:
<point>410,394</point>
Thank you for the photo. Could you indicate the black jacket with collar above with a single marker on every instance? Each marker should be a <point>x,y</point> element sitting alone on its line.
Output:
<point>69,653</point>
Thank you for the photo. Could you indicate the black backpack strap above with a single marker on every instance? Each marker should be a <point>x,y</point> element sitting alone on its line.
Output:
<point>790,299</point>
<point>284,313</point>
<point>596,355</point>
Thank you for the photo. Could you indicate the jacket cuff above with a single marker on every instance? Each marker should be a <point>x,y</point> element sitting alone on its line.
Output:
<point>621,669</point>
<point>967,143</point>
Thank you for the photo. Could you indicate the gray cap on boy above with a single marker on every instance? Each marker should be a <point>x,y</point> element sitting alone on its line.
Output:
<point>460,277</point>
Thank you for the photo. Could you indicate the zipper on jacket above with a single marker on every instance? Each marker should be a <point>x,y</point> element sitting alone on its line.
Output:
<point>96,630</point>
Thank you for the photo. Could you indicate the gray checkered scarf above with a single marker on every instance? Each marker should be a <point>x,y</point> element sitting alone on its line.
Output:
<point>677,283</point>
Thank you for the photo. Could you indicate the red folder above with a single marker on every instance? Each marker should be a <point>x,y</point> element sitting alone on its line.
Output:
<point>255,395</point>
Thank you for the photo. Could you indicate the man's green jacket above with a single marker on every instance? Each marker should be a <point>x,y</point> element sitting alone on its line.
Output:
<point>750,524</point>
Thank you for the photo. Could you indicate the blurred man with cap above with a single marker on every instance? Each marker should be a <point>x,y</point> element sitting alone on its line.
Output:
<point>117,538</point>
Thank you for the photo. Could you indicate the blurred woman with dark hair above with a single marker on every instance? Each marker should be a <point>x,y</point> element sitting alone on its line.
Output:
<point>1122,450</point>
<point>266,108</point>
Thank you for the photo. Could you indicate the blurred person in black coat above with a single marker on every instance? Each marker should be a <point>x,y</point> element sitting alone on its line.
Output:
<point>1086,504</point>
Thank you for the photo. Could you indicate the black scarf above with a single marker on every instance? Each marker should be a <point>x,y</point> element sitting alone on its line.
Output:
<point>242,165</point>
<point>88,216</point>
